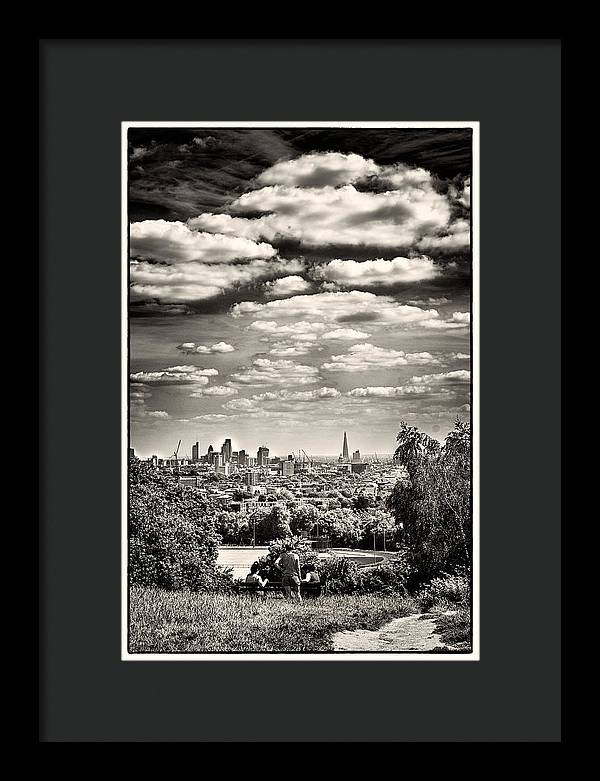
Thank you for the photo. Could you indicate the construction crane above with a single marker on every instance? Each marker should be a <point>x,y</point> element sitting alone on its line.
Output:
<point>175,453</point>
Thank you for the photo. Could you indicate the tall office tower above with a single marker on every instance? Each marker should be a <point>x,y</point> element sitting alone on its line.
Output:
<point>241,458</point>
<point>235,457</point>
<point>226,450</point>
<point>262,456</point>
<point>356,457</point>
<point>196,453</point>
<point>345,449</point>
<point>209,453</point>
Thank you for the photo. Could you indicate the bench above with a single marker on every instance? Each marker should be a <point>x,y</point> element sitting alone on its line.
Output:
<point>276,587</point>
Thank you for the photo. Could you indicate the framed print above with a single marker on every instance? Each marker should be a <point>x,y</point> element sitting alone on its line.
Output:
<point>345,298</point>
<point>297,380</point>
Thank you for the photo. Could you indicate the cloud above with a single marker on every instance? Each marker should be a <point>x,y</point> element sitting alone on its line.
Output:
<point>313,200</point>
<point>174,375</point>
<point>138,397</point>
<point>319,170</point>
<point>461,317</point>
<point>214,390</point>
<point>264,371</point>
<point>287,395</point>
<point>351,306</point>
<point>373,273</point>
<point>456,238</point>
<point>254,402</point>
<point>286,286</point>
<point>446,378</point>
<point>174,242</point>
<point>195,281</point>
<point>304,329</point>
<point>191,348</point>
<point>386,392</point>
<point>345,333</point>
<point>368,357</point>
<point>290,349</point>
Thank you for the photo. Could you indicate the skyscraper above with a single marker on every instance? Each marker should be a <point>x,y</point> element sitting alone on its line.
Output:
<point>196,452</point>
<point>226,450</point>
<point>345,455</point>
<point>262,456</point>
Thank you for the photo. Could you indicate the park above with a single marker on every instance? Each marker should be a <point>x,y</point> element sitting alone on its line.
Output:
<point>187,593</point>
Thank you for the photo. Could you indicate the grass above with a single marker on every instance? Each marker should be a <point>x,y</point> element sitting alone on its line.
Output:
<point>188,622</point>
<point>455,630</point>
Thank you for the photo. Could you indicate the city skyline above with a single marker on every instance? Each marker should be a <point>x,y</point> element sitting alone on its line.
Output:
<point>287,284</point>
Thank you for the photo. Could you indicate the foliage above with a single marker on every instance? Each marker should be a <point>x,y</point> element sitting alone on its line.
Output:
<point>445,592</point>
<point>388,578</point>
<point>172,539</point>
<point>434,503</point>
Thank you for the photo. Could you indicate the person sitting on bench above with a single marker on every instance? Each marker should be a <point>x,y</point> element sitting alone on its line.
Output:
<point>312,576</point>
<point>289,565</point>
<point>254,579</point>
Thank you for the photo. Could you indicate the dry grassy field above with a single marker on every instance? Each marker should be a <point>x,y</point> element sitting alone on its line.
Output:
<point>171,622</point>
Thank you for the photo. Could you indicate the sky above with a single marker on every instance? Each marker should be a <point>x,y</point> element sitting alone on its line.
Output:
<point>290,284</point>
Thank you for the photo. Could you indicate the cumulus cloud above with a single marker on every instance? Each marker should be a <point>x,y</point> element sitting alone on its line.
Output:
<point>456,238</point>
<point>264,371</point>
<point>194,281</point>
<point>318,170</point>
<point>374,273</point>
<point>304,329</point>
<point>174,375</point>
<point>345,333</point>
<point>313,200</point>
<point>351,306</point>
<point>446,378</point>
<point>214,390</point>
<point>191,348</point>
<point>290,349</point>
<point>286,286</point>
<point>386,391</point>
<point>175,242</point>
<point>368,357</point>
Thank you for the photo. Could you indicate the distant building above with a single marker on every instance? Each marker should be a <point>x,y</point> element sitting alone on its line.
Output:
<point>226,450</point>
<point>241,458</point>
<point>131,454</point>
<point>345,449</point>
<point>262,456</point>
<point>287,468</point>
<point>196,453</point>
<point>356,457</point>
<point>357,467</point>
<point>251,478</point>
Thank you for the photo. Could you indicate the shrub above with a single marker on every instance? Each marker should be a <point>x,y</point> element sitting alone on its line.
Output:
<point>387,578</point>
<point>445,592</point>
<point>342,574</point>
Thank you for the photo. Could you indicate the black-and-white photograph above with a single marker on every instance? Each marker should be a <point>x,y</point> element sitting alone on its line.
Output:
<point>300,348</point>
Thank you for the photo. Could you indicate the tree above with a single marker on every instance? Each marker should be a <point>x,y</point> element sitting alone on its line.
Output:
<point>434,503</point>
<point>173,536</point>
<point>361,502</point>
<point>303,518</point>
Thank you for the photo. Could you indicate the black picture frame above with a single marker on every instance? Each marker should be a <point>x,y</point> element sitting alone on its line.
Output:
<point>87,88</point>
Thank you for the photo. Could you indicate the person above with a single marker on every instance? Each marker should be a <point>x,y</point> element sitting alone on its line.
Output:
<point>312,576</point>
<point>289,564</point>
<point>254,578</point>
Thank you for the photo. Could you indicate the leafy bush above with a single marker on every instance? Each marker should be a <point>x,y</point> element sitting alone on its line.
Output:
<point>173,541</point>
<point>342,575</point>
<point>390,577</point>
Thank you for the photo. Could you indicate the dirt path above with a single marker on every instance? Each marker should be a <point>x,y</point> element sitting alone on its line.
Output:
<point>410,633</point>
